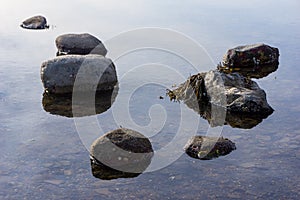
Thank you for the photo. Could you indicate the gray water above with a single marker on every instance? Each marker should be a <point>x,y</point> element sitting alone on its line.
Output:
<point>42,154</point>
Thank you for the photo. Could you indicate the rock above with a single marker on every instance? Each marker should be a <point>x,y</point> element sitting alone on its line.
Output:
<point>191,90</point>
<point>237,93</point>
<point>206,148</point>
<point>233,91</point>
<point>254,61</point>
<point>36,22</point>
<point>224,98</point>
<point>62,104</point>
<point>123,150</point>
<point>59,74</point>
<point>81,44</point>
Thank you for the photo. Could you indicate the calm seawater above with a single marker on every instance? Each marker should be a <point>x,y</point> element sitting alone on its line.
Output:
<point>42,154</point>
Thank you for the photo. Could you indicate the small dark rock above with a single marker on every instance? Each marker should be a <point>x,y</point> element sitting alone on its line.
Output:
<point>81,44</point>
<point>254,61</point>
<point>36,22</point>
<point>206,148</point>
<point>123,150</point>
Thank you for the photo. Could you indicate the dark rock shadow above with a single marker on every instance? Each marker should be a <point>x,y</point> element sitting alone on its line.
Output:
<point>62,104</point>
<point>233,119</point>
<point>101,171</point>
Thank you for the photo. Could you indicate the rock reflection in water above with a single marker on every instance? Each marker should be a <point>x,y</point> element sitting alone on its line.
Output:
<point>121,153</point>
<point>62,104</point>
<point>104,172</point>
<point>233,119</point>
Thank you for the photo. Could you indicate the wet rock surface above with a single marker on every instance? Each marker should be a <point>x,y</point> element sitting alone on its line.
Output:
<point>81,44</point>
<point>36,22</point>
<point>232,91</point>
<point>237,93</point>
<point>206,148</point>
<point>254,61</point>
<point>59,74</point>
<point>123,150</point>
<point>85,106</point>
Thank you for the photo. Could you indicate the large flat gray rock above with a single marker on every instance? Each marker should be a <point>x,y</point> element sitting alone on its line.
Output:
<point>59,74</point>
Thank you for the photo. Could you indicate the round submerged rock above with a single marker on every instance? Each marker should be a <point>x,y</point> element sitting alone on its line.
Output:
<point>36,22</point>
<point>97,73</point>
<point>80,44</point>
<point>123,150</point>
<point>206,148</point>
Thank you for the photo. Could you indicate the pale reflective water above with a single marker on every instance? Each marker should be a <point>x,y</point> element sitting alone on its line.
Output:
<point>42,155</point>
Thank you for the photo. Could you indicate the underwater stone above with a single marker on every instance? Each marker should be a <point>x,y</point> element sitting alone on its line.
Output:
<point>80,44</point>
<point>206,148</point>
<point>36,22</point>
<point>59,74</point>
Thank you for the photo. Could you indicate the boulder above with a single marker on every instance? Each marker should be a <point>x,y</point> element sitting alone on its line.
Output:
<point>36,22</point>
<point>254,61</point>
<point>61,104</point>
<point>80,44</point>
<point>206,148</point>
<point>235,92</point>
<point>123,150</point>
<point>222,98</point>
<point>59,74</point>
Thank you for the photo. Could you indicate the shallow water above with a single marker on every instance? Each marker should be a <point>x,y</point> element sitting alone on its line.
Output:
<point>44,156</point>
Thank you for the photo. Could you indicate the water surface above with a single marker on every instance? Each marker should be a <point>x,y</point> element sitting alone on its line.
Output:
<point>42,155</point>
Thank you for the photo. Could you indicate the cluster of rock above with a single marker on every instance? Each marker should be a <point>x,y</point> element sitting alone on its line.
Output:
<point>80,65</point>
<point>81,58</point>
<point>230,89</point>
